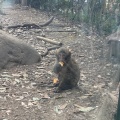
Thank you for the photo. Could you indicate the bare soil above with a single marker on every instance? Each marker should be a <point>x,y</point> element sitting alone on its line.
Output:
<point>26,92</point>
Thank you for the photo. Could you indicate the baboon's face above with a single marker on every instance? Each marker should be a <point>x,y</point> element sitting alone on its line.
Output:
<point>63,55</point>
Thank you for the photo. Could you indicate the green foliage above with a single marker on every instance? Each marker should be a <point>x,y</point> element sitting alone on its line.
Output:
<point>109,26</point>
<point>95,13</point>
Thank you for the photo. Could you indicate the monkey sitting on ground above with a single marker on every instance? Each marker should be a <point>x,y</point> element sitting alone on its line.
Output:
<point>67,70</point>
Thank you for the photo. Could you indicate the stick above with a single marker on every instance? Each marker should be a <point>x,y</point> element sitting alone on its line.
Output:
<point>31,25</point>
<point>49,40</point>
<point>59,31</point>
<point>49,49</point>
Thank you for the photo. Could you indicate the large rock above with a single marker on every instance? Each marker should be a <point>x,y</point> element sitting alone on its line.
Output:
<point>14,52</point>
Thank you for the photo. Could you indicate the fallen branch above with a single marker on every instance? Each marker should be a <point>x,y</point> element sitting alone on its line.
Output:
<point>59,31</point>
<point>47,23</point>
<point>59,25</point>
<point>32,25</point>
<point>81,56</point>
<point>49,49</point>
<point>49,40</point>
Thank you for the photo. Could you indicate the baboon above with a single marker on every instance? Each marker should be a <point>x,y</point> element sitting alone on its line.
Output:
<point>67,69</point>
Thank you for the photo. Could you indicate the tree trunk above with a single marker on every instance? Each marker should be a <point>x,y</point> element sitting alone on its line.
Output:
<point>24,2</point>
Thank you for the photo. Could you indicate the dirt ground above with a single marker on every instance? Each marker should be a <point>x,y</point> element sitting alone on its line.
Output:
<point>26,92</point>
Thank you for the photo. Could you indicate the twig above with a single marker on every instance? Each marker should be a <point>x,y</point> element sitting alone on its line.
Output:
<point>49,49</point>
<point>59,31</point>
<point>32,25</point>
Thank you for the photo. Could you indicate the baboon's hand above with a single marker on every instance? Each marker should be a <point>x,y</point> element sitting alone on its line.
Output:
<point>55,82</point>
<point>57,68</point>
<point>57,90</point>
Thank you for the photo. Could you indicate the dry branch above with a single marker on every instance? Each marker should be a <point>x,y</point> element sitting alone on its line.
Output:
<point>59,25</point>
<point>49,40</point>
<point>59,31</point>
<point>32,25</point>
<point>49,49</point>
<point>47,23</point>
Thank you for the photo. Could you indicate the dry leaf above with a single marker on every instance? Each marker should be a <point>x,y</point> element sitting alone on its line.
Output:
<point>59,97</point>
<point>3,89</point>
<point>84,109</point>
<point>46,96</point>
<point>49,72</point>
<point>8,112</point>
<point>35,99</point>
<point>25,75</point>
<point>5,75</point>
<point>16,75</point>
<point>113,97</point>
<point>63,106</point>
<point>24,105</point>
<point>57,110</point>
<point>99,76</point>
<point>20,98</point>
<point>30,103</point>
<point>33,84</point>
<point>83,77</point>
<point>38,106</point>
<point>17,80</point>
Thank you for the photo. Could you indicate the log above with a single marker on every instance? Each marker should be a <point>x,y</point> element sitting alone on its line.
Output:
<point>49,40</point>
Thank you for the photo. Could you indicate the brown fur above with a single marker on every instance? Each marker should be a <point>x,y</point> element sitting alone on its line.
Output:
<point>69,73</point>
